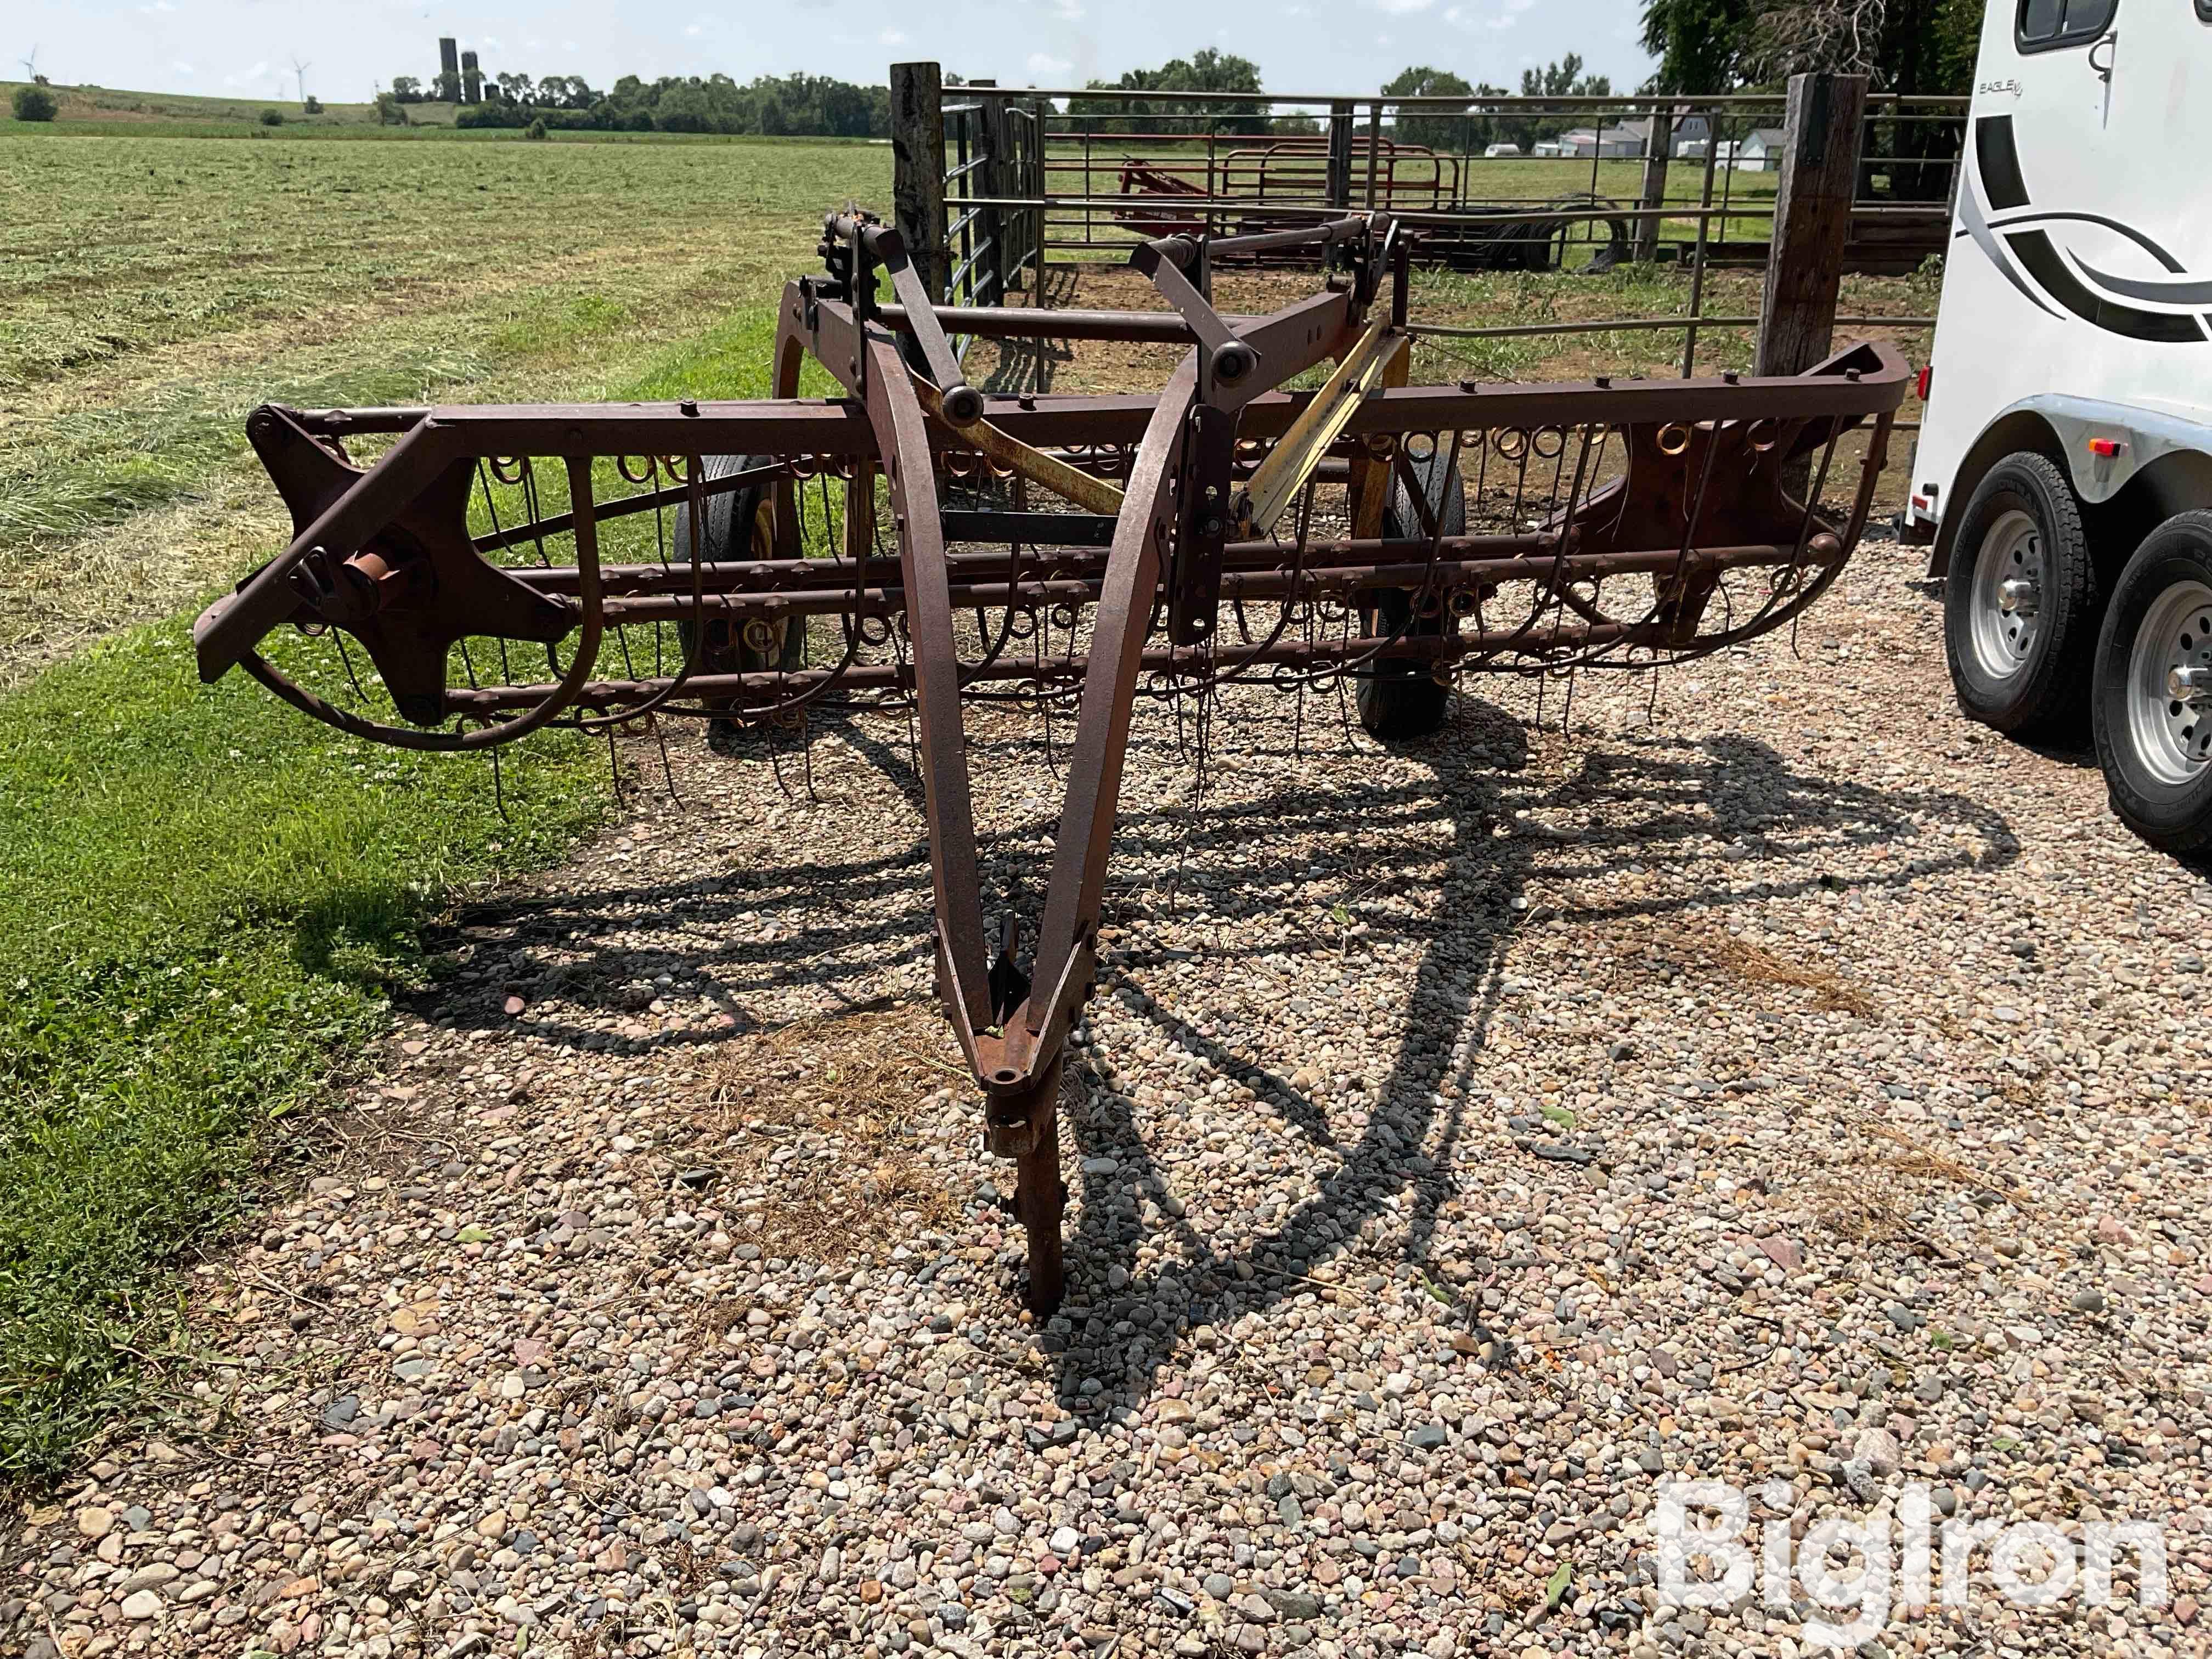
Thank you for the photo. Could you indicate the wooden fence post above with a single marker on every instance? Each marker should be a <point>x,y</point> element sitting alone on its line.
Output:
<point>918,168</point>
<point>1644,244</point>
<point>1812,221</point>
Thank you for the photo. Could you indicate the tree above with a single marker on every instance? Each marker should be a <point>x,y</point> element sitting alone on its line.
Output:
<point>34,103</point>
<point>407,89</point>
<point>514,89</point>
<point>1202,71</point>
<point>1437,127</point>
<point>565,91</point>
<point>1699,43</point>
<point>1565,79</point>
<point>1914,48</point>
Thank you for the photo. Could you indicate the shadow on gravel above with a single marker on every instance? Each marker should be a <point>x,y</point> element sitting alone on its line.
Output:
<point>761,926</point>
<point>1464,921</point>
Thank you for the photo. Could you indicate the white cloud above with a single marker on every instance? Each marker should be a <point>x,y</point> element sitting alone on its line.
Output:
<point>891,38</point>
<point>1066,10</point>
<point>157,7</point>
<point>1400,8</point>
<point>247,77</point>
<point>182,68</point>
<point>491,42</point>
<point>693,31</point>
<point>567,46</point>
<point>1043,66</point>
<point>1505,16</point>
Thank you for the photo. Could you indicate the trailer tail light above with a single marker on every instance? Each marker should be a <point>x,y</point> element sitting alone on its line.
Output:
<point>2105,448</point>
<point>1923,380</point>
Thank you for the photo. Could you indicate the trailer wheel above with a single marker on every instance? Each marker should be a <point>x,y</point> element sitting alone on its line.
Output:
<point>2020,607</point>
<point>739,524</point>
<point>2152,702</point>
<point>1399,698</point>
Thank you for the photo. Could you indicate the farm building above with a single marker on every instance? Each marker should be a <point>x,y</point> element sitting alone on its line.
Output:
<point>1633,137</point>
<point>1756,154</point>
<point>1610,141</point>
<point>1492,152</point>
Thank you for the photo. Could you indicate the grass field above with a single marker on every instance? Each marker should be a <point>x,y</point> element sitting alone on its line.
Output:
<point>203,902</point>
<point>163,287</point>
<point>167,110</point>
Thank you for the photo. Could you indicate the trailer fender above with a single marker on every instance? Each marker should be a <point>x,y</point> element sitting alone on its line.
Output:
<point>2131,468</point>
<point>2017,429</point>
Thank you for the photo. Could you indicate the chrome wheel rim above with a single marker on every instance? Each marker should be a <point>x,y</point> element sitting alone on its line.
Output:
<point>2170,685</point>
<point>2008,595</point>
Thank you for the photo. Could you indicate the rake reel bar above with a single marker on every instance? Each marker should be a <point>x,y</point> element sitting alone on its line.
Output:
<point>916,543</point>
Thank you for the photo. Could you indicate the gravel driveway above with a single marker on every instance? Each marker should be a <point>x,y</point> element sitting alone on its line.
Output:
<point>1772,1078</point>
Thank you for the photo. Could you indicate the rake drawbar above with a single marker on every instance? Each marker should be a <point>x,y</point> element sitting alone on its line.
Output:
<point>915,542</point>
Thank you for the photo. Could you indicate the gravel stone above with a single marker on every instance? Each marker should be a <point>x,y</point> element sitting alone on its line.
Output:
<point>1659,1119</point>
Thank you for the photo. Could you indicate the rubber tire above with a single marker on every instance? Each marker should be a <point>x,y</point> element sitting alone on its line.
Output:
<point>1400,699</point>
<point>2173,819</point>
<point>2050,692</point>
<point>727,535</point>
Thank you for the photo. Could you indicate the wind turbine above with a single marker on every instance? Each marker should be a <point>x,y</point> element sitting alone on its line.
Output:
<point>30,65</point>
<point>300,69</point>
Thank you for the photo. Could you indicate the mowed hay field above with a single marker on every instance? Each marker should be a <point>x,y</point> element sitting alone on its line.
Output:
<point>160,287</point>
<point>206,903</point>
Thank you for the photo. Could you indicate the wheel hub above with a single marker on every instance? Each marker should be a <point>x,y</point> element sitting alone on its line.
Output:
<point>2188,684</point>
<point>2007,594</point>
<point>2170,685</point>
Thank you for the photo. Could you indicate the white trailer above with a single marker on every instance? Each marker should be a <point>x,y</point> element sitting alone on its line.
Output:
<point>2064,471</point>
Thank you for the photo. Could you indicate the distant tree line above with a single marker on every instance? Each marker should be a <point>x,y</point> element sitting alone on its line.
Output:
<point>816,106</point>
<point>1469,127</point>
<point>1241,109</point>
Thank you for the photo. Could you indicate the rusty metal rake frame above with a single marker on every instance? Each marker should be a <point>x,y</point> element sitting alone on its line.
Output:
<point>1711,479</point>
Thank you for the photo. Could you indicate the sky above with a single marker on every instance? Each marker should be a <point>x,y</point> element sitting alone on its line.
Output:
<point>246,48</point>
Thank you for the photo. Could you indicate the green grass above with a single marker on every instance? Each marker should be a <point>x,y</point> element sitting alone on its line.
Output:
<point>204,901</point>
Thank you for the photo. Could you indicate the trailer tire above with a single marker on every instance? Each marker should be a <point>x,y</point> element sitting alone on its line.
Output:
<point>1399,698</point>
<point>2021,601</point>
<point>738,524</point>
<point>2155,747</point>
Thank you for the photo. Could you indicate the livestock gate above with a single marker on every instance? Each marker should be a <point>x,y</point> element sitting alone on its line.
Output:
<point>1039,176</point>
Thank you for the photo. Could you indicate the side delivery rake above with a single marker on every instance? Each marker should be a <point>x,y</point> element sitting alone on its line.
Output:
<point>917,542</point>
